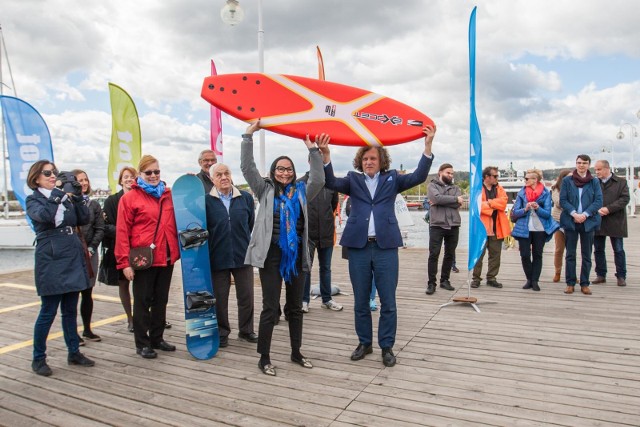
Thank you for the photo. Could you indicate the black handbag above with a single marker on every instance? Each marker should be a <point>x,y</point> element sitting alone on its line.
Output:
<point>141,257</point>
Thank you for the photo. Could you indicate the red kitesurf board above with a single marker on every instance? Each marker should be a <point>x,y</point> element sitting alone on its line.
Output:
<point>296,106</point>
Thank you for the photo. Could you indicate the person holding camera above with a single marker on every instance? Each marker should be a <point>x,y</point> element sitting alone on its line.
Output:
<point>91,234</point>
<point>55,209</point>
<point>147,226</point>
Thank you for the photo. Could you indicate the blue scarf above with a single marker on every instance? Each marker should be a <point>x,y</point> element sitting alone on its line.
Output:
<point>289,207</point>
<point>153,190</point>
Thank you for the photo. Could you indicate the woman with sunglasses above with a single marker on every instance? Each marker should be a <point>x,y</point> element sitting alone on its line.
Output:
<point>109,274</point>
<point>60,265</point>
<point>279,242</point>
<point>92,233</point>
<point>534,225</point>
<point>148,207</point>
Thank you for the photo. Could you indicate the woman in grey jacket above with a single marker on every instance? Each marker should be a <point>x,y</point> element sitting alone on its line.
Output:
<point>278,245</point>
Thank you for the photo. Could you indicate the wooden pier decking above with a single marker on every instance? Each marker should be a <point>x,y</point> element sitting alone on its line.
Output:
<point>528,359</point>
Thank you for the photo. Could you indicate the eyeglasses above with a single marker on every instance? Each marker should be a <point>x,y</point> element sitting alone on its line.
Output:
<point>282,169</point>
<point>495,176</point>
<point>153,172</point>
<point>50,172</point>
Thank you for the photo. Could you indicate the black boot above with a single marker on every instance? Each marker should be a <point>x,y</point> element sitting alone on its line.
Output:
<point>431,288</point>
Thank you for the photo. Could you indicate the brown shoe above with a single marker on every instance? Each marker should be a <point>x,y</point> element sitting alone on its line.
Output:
<point>585,290</point>
<point>599,280</point>
<point>568,290</point>
<point>556,278</point>
<point>622,281</point>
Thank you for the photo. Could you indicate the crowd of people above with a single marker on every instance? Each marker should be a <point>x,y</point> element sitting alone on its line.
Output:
<point>136,231</point>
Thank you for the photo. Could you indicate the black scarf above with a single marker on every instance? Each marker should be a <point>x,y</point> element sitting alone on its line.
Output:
<point>580,181</point>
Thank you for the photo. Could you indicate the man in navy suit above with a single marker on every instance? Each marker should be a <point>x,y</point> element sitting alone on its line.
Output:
<point>580,198</point>
<point>373,236</point>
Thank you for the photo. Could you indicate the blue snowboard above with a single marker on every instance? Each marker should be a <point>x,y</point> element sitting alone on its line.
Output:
<point>201,322</point>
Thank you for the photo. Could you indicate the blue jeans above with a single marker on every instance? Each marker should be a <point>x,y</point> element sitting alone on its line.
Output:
<point>365,264</point>
<point>586,246</point>
<point>69,308</point>
<point>619,257</point>
<point>324,259</point>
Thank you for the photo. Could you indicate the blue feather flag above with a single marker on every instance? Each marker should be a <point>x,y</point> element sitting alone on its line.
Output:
<point>477,232</point>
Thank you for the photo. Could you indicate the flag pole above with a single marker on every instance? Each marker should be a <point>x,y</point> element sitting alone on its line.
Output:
<point>477,232</point>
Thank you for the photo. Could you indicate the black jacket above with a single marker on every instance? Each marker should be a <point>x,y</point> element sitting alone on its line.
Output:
<point>615,197</point>
<point>322,223</point>
<point>60,264</point>
<point>206,181</point>
<point>93,232</point>
<point>229,232</point>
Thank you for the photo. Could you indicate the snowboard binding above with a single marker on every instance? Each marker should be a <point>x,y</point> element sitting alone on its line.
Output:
<point>199,301</point>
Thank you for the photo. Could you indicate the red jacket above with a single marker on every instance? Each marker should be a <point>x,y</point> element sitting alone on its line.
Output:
<point>137,218</point>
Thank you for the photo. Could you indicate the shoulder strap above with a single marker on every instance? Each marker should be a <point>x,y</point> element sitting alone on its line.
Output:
<point>153,242</point>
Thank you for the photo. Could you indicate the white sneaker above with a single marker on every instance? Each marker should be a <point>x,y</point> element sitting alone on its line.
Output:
<point>332,305</point>
<point>305,307</point>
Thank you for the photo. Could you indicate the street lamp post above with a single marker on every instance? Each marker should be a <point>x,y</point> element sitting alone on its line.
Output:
<point>633,132</point>
<point>233,14</point>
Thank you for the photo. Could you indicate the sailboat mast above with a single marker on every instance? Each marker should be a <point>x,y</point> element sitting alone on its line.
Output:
<point>5,154</point>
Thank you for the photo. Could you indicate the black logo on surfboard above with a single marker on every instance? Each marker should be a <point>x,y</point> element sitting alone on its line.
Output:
<point>382,118</point>
<point>330,110</point>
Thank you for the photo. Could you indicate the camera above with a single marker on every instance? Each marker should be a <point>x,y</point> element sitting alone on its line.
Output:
<point>67,182</point>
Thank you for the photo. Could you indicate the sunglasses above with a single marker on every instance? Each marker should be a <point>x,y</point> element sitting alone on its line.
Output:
<point>50,172</point>
<point>495,176</point>
<point>153,172</point>
<point>282,169</point>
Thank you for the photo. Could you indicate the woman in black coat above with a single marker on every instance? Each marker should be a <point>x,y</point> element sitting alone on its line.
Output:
<point>55,209</point>
<point>92,234</point>
<point>109,274</point>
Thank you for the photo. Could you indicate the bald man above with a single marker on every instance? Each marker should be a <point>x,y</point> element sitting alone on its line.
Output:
<point>230,219</point>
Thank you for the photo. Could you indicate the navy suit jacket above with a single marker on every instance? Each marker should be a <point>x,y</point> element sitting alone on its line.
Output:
<point>382,204</point>
<point>591,202</point>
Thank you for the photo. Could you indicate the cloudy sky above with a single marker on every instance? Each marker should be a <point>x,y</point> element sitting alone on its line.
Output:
<point>554,79</point>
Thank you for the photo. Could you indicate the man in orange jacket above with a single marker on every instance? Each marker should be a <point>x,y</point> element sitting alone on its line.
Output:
<point>494,218</point>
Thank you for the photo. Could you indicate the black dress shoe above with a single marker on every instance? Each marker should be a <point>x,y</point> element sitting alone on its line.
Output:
<point>147,352</point>
<point>302,361</point>
<point>431,288</point>
<point>80,359</point>
<point>527,285</point>
<point>388,359</point>
<point>40,367</point>
<point>251,337</point>
<point>360,351</point>
<point>535,287</point>
<point>445,284</point>
<point>164,346</point>
<point>224,342</point>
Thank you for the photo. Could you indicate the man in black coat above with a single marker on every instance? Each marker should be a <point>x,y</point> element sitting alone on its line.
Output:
<point>615,194</point>
<point>206,159</point>
<point>322,226</point>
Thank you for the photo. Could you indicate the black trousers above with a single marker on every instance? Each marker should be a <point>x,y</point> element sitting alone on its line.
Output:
<point>150,294</point>
<point>437,235</point>
<point>243,278</point>
<point>531,249</point>
<point>271,282</point>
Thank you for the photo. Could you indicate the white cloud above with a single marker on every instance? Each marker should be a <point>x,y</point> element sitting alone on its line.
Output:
<point>63,54</point>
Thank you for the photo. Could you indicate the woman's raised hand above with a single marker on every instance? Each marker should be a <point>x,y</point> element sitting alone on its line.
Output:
<point>253,127</point>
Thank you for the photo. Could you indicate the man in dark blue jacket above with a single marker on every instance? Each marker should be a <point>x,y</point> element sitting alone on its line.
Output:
<point>230,218</point>
<point>373,236</point>
<point>580,198</point>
